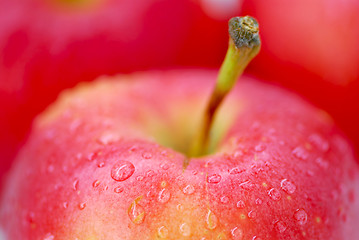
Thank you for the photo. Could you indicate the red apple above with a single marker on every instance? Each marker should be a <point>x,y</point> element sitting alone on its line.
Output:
<point>106,162</point>
<point>46,46</point>
<point>116,159</point>
<point>311,47</point>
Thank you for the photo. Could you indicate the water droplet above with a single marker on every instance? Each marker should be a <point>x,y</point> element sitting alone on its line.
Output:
<point>164,196</point>
<point>224,199</point>
<point>96,183</point>
<point>140,178</point>
<point>75,184</point>
<point>150,173</point>
<point>165,166</point>
<point>133,149</point>
<point>259,201</point>
<point>189,189</point>
<point>108,138</point>
<point>185,229</point>
<point>260,148</point>
<point>162,232</point>
<point>256,238</point>
<point>288,186</point>
<point>246,185</point>
<point>147,155</point>
<point>92,156</point>
<point>179,207</point>
<point>274,194</point>
<point>194,172</point>
<point>300,153</point>
<point>301,216</point>
<point>236,170</point>
<point>310,173</point>
<point>163,184</point>
<point>319,142</point>
<point>211,220</point>
<point>322,163</point>
<point>122,170</point>
<point>280,227</point>
<point>136,212</point>
<point>214,178</point>
<point>101,165</point>
<point>252,214</point>
<point>50,168</point>
<point>118,189</point>
<point>49,236</point>
<point>82,206</point>
<point>237,233</point>
<point>241,204</point>
<point>65,205</point>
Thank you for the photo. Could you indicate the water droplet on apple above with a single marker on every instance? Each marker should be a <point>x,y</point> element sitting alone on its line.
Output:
<point>224,199</point>
<point>280,227</point>
<point>236,170</point>
<point>136,212</point>
<point>237,233</point>
<point>301,216</point>
<point>241,204</point>
<point>256,238</point>
<point>211,220</point>
<point>252,214</point>
<point>259,201</point>
<point>300,153</point>
<point>122,170</point>
<point>162,232</point>
<point>214,178</point>
<point>322,163</point>
<point>179,207</point>
<point>185,229</point>
<point>50,168</point>
<point>96,183</point>
<point>274,194</point>
<point>118,189</point>
<point>75,184</point>
<point>108,138</point>
<point>65,205</point>
<point>319,142</point>
<point>49,236</point>
<point>260,148</point>
<point>150,173</point>
<point>147,155</point>
<point>82,206</point>
<point>189,189</point>
<point>140,178</point>
<point>164,196</point>
<point>288,186</point>
<point>165,166</point>
<point>101,165</point>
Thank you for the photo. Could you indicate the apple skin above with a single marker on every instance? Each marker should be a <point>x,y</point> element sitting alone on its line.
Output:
<point>311,47</point>
<point>96,167</point>
<point>45,48</point>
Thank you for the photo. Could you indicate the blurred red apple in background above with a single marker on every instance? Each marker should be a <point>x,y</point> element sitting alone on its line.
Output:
<point>46,46</point>
<point>311,47</point>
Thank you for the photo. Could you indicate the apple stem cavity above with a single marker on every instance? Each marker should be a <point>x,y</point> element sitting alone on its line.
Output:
<point>244,45</point>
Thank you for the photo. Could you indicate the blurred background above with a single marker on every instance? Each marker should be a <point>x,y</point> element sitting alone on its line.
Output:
<point>309,46</point>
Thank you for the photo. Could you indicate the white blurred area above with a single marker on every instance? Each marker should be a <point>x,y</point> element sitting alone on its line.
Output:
<point>2,235</point>
<point>221,9</point>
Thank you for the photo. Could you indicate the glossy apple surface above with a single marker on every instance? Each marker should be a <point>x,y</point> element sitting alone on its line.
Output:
<point>311,47</point>
<point>47,46</point>
<point>106,162</point>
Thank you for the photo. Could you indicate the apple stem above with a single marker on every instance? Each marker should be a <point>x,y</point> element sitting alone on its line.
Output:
<point>244,45</point>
